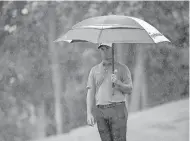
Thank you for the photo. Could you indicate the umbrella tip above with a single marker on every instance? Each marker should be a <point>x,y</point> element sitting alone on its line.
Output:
<point>60,40</point>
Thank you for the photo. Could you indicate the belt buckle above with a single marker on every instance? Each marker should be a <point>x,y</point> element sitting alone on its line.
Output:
<point>110,105</point>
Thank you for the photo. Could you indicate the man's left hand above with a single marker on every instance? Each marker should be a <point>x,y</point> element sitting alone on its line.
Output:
<point>115,80</point>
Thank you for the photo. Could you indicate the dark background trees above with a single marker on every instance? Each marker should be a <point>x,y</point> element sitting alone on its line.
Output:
<point>34,70</point>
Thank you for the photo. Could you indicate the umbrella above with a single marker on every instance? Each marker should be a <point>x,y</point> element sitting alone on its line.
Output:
<point>113,29</point>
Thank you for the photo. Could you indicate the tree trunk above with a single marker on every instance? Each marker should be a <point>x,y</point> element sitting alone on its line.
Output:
<point>56,75</point>
<point>144,92</point>
<point>122,52</point>
<point>139,87</point>
<point>41,123</point>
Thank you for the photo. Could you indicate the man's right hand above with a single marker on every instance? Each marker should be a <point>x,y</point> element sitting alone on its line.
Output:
<point>90,119</point>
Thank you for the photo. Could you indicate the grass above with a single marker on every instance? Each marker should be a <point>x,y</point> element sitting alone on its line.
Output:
<point>168,122</point>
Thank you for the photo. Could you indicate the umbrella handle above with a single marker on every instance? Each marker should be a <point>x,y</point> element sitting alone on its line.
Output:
<point>113,62</point>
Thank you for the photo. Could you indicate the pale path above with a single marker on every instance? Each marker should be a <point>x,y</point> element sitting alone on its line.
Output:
<point>169,122</point>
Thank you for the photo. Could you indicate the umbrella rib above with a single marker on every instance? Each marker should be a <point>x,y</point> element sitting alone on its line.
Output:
<point>100,34</point>
<point>108,27</point>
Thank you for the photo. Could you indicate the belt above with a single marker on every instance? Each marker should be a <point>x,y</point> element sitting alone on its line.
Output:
<point>110,105</point>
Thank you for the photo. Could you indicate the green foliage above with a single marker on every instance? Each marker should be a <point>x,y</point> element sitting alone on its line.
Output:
<point>25,65</point>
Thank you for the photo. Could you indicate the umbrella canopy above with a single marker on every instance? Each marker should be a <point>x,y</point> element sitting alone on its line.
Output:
<point>113,29</point>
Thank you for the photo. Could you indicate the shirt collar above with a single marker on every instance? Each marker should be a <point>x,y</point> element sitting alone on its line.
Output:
<point>107,64</point>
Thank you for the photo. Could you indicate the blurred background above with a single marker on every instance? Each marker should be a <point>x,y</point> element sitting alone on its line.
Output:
<point>42,84</point>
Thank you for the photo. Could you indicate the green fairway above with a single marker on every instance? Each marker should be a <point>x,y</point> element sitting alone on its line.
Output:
<point>168,122</point>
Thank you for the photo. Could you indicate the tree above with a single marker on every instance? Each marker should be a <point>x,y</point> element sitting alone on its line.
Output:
<point>56,77</point>
<point>26,89</point>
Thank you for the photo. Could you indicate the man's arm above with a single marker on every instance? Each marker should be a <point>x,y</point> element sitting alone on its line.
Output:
<point>90,97</point>
<point>125,88</point>
<point>90,91</point>
<point>125,85</point>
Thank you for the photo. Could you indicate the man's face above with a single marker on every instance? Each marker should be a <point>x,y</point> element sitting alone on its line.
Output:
<point>106,52</point>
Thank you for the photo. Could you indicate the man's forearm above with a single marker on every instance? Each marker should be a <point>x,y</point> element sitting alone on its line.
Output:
<point>90,100</point>
<point>125,88</point>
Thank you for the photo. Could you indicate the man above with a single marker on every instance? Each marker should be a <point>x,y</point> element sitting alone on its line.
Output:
<point>111,113</point>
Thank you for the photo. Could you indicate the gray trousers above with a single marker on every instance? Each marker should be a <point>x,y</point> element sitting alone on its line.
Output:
<point>112,122</point>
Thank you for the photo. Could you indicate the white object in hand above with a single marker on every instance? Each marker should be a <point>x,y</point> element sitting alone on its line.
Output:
<point>113,77</point>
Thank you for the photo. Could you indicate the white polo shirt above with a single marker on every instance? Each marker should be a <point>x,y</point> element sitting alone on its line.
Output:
<point>100,79</point>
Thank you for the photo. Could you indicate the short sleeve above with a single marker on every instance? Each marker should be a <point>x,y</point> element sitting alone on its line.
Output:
<point>126,75</point>
<point>90,82</point>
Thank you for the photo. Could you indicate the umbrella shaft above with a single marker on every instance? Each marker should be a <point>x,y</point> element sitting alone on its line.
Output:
<point>113,61</point>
